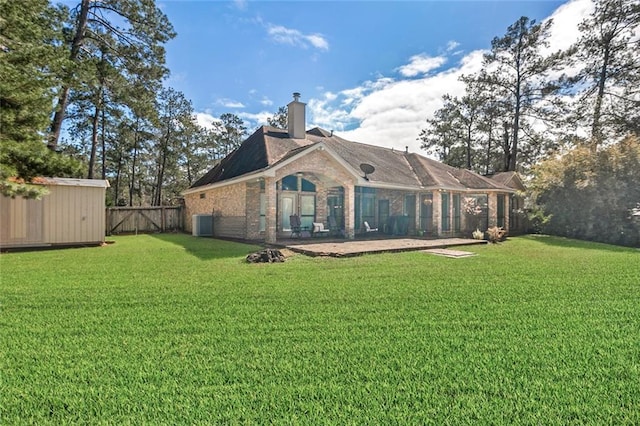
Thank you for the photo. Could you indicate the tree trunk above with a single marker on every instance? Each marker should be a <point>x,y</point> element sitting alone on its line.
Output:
<point>469,146</point>
<point>103,144</point>
<point>133,163</point>
<point>78,38</point>
<point>94,142</point>
<point>596,129</point>
<point>489,140</point>
<point>506,146</point>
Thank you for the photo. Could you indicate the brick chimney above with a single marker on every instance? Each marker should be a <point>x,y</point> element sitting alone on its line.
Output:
<point>296,118</point>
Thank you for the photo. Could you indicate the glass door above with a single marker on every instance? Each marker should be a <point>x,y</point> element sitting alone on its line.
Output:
<point>307,210</point>
<point>288,207</point>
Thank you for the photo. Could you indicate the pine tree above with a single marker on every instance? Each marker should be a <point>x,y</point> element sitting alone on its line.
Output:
<point>29,64</point>
<point>136,41</point>
<point>516,73</point>
<point>609,99</point>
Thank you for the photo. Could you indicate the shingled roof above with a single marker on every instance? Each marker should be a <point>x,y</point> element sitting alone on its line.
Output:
<point>268,146</point>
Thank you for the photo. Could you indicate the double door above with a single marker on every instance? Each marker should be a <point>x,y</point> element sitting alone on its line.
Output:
<point>303,205</point>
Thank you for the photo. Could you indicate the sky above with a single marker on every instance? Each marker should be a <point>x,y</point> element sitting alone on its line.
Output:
<point>371,71</point>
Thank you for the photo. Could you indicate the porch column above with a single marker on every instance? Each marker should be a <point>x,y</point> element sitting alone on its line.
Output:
<point>492,202</point>
<point>271,211</point>
<point>349,211</point>
<point>507,212</point>
<point>437,212</point>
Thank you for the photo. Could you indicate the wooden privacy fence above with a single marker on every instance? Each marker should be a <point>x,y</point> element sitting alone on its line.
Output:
<point>126,220</point>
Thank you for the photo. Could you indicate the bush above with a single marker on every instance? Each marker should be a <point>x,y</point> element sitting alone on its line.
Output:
<point>591,196</point>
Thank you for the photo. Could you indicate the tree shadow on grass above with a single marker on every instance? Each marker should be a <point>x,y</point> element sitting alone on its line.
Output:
<point>565,242</point>
<point>207,248</point>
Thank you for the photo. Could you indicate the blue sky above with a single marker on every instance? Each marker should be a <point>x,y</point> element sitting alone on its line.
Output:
<point>372,71</point>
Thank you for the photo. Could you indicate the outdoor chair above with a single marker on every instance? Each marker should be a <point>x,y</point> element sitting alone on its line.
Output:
<point>333,226</point>
<point>319,230</point>
<point>369,228</point>
<point>296,227</point>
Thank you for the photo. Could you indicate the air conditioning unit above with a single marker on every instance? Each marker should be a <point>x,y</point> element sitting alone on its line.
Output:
<point>202,225</point>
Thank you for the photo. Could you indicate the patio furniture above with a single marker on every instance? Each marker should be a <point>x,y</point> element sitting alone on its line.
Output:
<point>369,228</point>
<point>334,230</point>
<point>319,230</point>
<point>296,226</point>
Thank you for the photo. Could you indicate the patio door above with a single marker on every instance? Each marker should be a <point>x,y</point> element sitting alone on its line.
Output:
<point>307,212</point>
<point>303,205</point>
<point>288,207</point>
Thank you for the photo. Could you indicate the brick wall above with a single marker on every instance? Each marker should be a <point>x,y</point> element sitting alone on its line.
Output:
<point>228,201</point>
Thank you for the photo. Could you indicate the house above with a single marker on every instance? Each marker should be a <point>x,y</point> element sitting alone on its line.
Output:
<point>322,177</point>
<point>71,214</point>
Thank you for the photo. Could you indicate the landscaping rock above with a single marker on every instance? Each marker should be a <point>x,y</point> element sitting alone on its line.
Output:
<point>266,256</point>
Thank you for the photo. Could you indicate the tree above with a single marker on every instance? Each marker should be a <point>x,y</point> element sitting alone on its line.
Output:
<point>233,132</point>
<point>592,196</point>
<point>29,60</point>
<point>133,30</point>
<point>516,73</point>
<point>175,126</point>
<point>609,99</point>
<point>280,119</point>
<point>462,132</point>
<point>442,135</point>
<point>200,151</point>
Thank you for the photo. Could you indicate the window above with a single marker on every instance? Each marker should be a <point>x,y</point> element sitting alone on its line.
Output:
<point>456,212</point>
<point>263,212</point>
<point>307,210</point>
<point>307,186</point>
<point>446,215</point>
<point>500,212</point>
<point>365,206</point>
<point>290,183</point>
<point>293,182</point>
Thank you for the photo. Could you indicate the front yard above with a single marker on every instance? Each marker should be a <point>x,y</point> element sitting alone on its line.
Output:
<point>175,329</point>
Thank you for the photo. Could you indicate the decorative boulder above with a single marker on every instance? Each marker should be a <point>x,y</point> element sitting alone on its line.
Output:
<point>266,256</point>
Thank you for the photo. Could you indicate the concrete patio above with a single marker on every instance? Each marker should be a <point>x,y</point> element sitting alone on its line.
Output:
<point>347,248</point>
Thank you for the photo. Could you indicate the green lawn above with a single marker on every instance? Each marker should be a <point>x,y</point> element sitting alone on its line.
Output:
<point>174,329</point>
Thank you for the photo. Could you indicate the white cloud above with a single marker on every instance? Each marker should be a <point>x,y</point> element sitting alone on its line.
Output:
<point>206,120</point>
<point>566,18</point>
<point>284,35</point>
<point>240,4</point>
<point>253,120</point>
<point>266,101</point>
<point>421,64</point>
<point>229,103</point>
<point>391,113</point>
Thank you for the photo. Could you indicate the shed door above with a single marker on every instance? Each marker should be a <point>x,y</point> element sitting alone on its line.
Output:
<point>21,221</point>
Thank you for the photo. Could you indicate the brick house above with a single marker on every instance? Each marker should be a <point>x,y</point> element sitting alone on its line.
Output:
<point>321,177</point>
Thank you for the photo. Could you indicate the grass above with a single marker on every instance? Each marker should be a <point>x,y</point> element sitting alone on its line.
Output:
<point>173,329</point>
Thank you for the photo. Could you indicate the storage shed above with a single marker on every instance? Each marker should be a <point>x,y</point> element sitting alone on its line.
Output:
<point>72,213</point>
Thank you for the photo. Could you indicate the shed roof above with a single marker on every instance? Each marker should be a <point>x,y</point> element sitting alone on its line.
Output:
<point>57,181</point>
